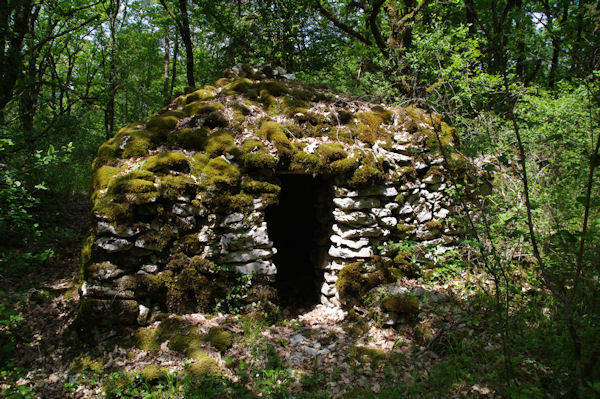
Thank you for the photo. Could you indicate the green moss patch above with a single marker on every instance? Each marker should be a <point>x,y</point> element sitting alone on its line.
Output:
<point>253,186</point>
<point>273,87</point>
<point>364,355</point>
<point>166,161</point>
<point>198,162</point>
<point>222,340</point>
<point>107,153</point>
<point>199,95</point>
<point>294,106</point>
<point>256,156</point>
<point>86,363</point>
<point>188,244</point>
<point>161,123</point>
<point>239,202</point>
<point>139,142</point>
<point>221,173</point>
<point>353,282</point>
<point>365,175</point>
<point>194,108</point>
<point>239,86</point>
<point>137,181</point>
<point>154,373</point>
<point>304,162</point>
<point>401,304</point>
<point>274,132</point>
<point>220,142</point>
<point>189,139</point>
<point>102,176</point>
<point>215,119</point>
<point>268,101</point>
<point>343,166</point>
<point>172,187</point>
<point>202,365</point>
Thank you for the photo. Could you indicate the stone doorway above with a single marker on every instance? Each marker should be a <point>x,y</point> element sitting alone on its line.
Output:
<point>300,226</point>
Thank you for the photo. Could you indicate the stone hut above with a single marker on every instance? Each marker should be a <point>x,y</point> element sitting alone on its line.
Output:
<point>261,189</point>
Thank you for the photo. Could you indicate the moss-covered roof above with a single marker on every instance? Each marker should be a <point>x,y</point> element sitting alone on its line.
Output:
<point>234,135</point>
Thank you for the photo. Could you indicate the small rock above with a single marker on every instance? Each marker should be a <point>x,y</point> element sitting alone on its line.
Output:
<point>349,243</point>
<point>258,267</point>
<point>353,218</point>
<point>112,244</point>
<point>356,203</point>
<point>296,339</point>
<point>142,318</point>
<point>345,253</point>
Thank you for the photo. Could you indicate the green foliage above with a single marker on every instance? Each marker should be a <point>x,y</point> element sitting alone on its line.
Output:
<point>234,299</point>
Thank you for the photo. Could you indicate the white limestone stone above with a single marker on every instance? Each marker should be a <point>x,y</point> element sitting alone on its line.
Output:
<point>392,206</point>
<point>353,218</point>
<point>150,268</point>
<point>113,244</point>
<point>381,212</point>
<point>258,267</point>
<point>388,221</point>
<point>424,214</point>
<point>403,137</point>
<point>433,179</point>
<point>183,209</point>
<point>384,191</point>
<point>442,213</point>
<point>328,289</point>
<point>350,243</point>
<point>330,278</point>
<point>143,313</point>
<point>345,253</point>
<point>104,271</point>
<point>420,165</point>
<point>255,237</point>
<point>100,291</point>
<point>356,203</point>
<point>205,234</point>
<point>406,209</point>
<point>403,148</point>
<point>347,232</point>
<point>398,158</point>
<point>232,218</point>
<point>247,256</point>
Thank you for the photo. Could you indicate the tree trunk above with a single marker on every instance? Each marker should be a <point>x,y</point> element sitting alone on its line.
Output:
<point>11,46</point>
<point>166,70</point>
<point>186,36</point>
<point>174,74</point>
<point>109,113</point>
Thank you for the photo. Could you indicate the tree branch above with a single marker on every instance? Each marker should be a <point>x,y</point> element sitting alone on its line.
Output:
<point>340,25</point>
<point>372,22</point>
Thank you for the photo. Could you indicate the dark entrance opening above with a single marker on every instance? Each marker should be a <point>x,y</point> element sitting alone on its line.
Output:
<point>299,226</point>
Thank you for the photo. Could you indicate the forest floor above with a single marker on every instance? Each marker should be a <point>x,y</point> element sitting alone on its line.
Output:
<point>442,349</point>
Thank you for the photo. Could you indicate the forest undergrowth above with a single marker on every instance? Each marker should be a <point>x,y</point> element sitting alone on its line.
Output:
<point>447,344</point>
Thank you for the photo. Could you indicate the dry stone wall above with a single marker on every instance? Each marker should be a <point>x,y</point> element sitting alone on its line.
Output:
<point>179,201</point>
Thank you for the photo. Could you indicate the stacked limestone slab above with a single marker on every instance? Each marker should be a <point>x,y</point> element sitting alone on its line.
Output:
<point>179,200</point>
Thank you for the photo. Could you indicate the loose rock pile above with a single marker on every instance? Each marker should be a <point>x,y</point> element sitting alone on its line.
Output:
<point>179,200</point>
